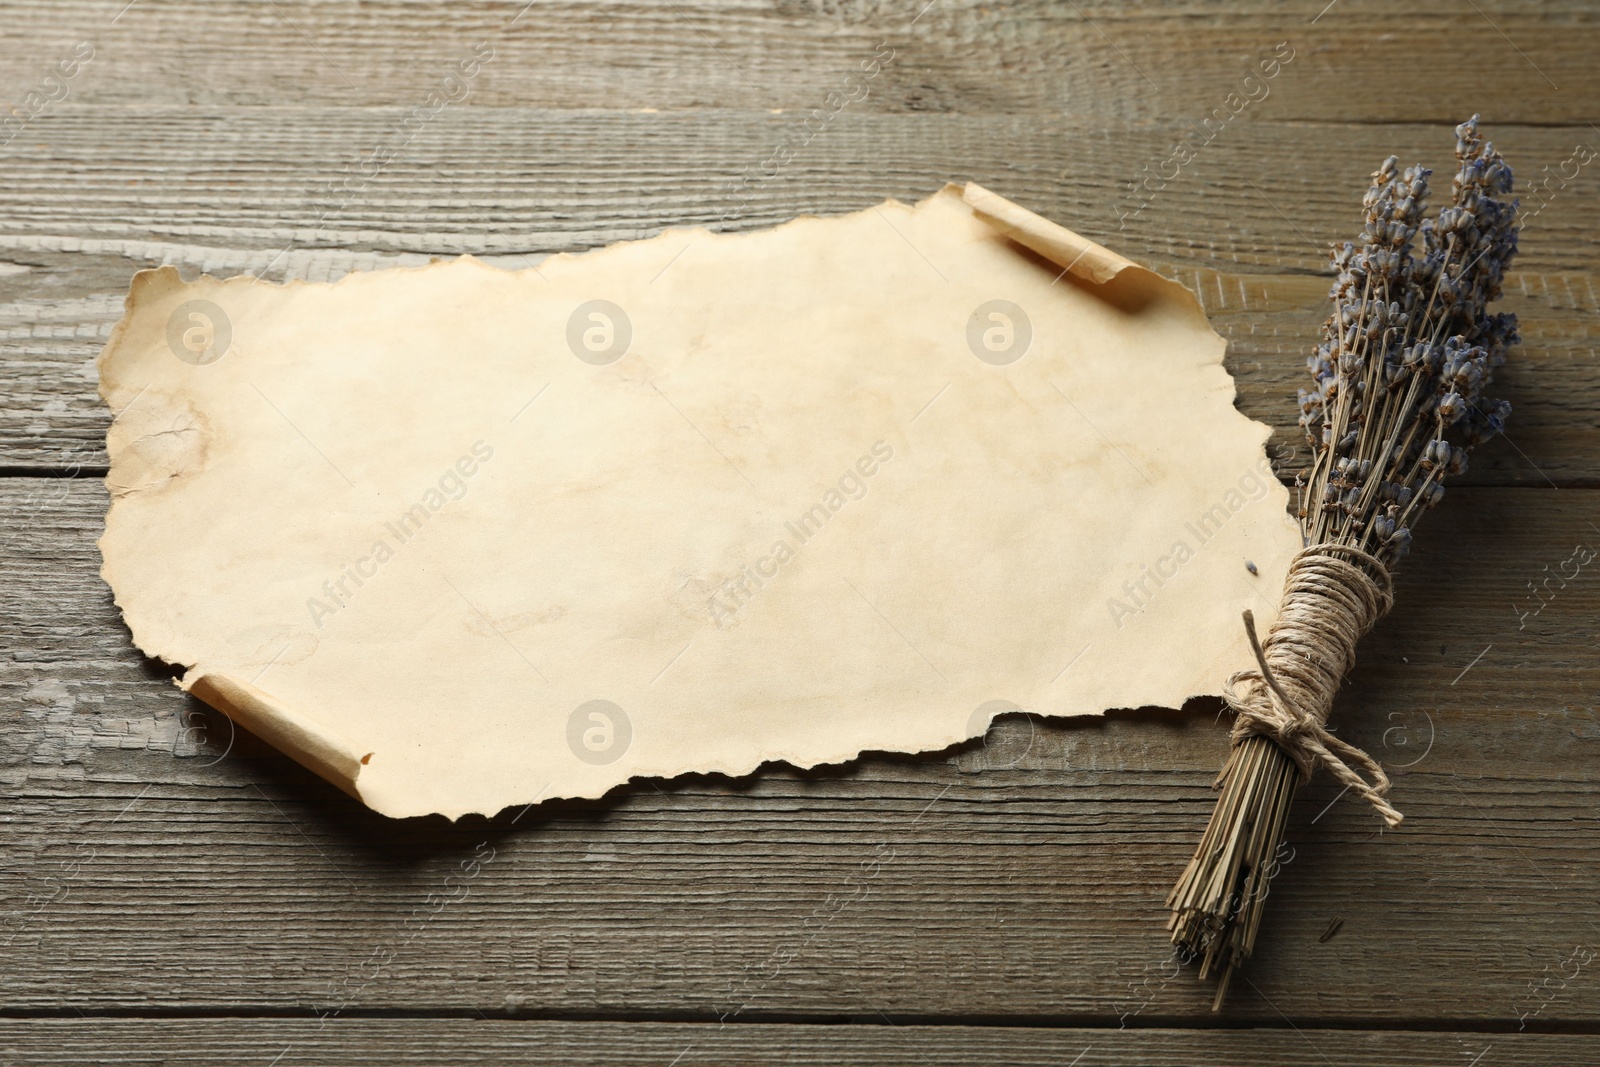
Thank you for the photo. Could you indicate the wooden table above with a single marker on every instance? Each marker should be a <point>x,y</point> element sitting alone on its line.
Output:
<point>168,903</point>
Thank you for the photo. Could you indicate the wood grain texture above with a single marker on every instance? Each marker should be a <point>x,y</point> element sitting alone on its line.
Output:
<point>1020,878</point>
<point>1147,60</point>
<point>210,1043</point>
<point>1264,195</point>
<point>201,899</point>
<point>546,187</point>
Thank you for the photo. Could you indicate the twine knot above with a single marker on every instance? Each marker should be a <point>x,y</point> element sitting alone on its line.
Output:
<point>1332,596</point>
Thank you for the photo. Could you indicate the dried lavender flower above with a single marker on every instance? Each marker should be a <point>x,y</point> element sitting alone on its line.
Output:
<point>1398,403</point>
<point>1408,351</point>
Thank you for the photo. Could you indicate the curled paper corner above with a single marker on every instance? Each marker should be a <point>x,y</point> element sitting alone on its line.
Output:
<point>1083,258</point>
<point>1068,250</point>
<point>302,739</point>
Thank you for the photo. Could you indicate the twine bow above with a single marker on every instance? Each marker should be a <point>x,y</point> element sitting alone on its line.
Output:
<point>1332,596</point>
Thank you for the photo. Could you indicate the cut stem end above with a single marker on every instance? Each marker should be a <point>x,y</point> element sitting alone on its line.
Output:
<point>1218,902</point>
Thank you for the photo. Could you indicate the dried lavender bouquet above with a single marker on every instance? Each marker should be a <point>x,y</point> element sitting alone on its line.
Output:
<point>1398,403</point>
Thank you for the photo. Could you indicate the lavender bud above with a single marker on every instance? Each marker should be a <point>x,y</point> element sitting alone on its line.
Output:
<point>1451,408</point>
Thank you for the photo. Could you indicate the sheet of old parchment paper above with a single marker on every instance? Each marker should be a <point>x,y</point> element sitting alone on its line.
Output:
<point>461,538</point>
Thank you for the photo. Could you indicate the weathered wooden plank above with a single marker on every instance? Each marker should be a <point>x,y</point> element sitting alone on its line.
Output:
<point>1264,195</point>
<point>1252,266</point>
<point>146,872</point>
<point>1018,880</point>
<point>1358,62</point>
<point>1272,323</point>
<point>209,1042</point>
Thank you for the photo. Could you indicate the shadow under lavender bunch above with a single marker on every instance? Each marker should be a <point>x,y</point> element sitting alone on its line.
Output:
<point>1399,401</point>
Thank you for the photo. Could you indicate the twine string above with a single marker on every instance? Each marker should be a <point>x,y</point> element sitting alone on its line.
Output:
<point>1332,596</point>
